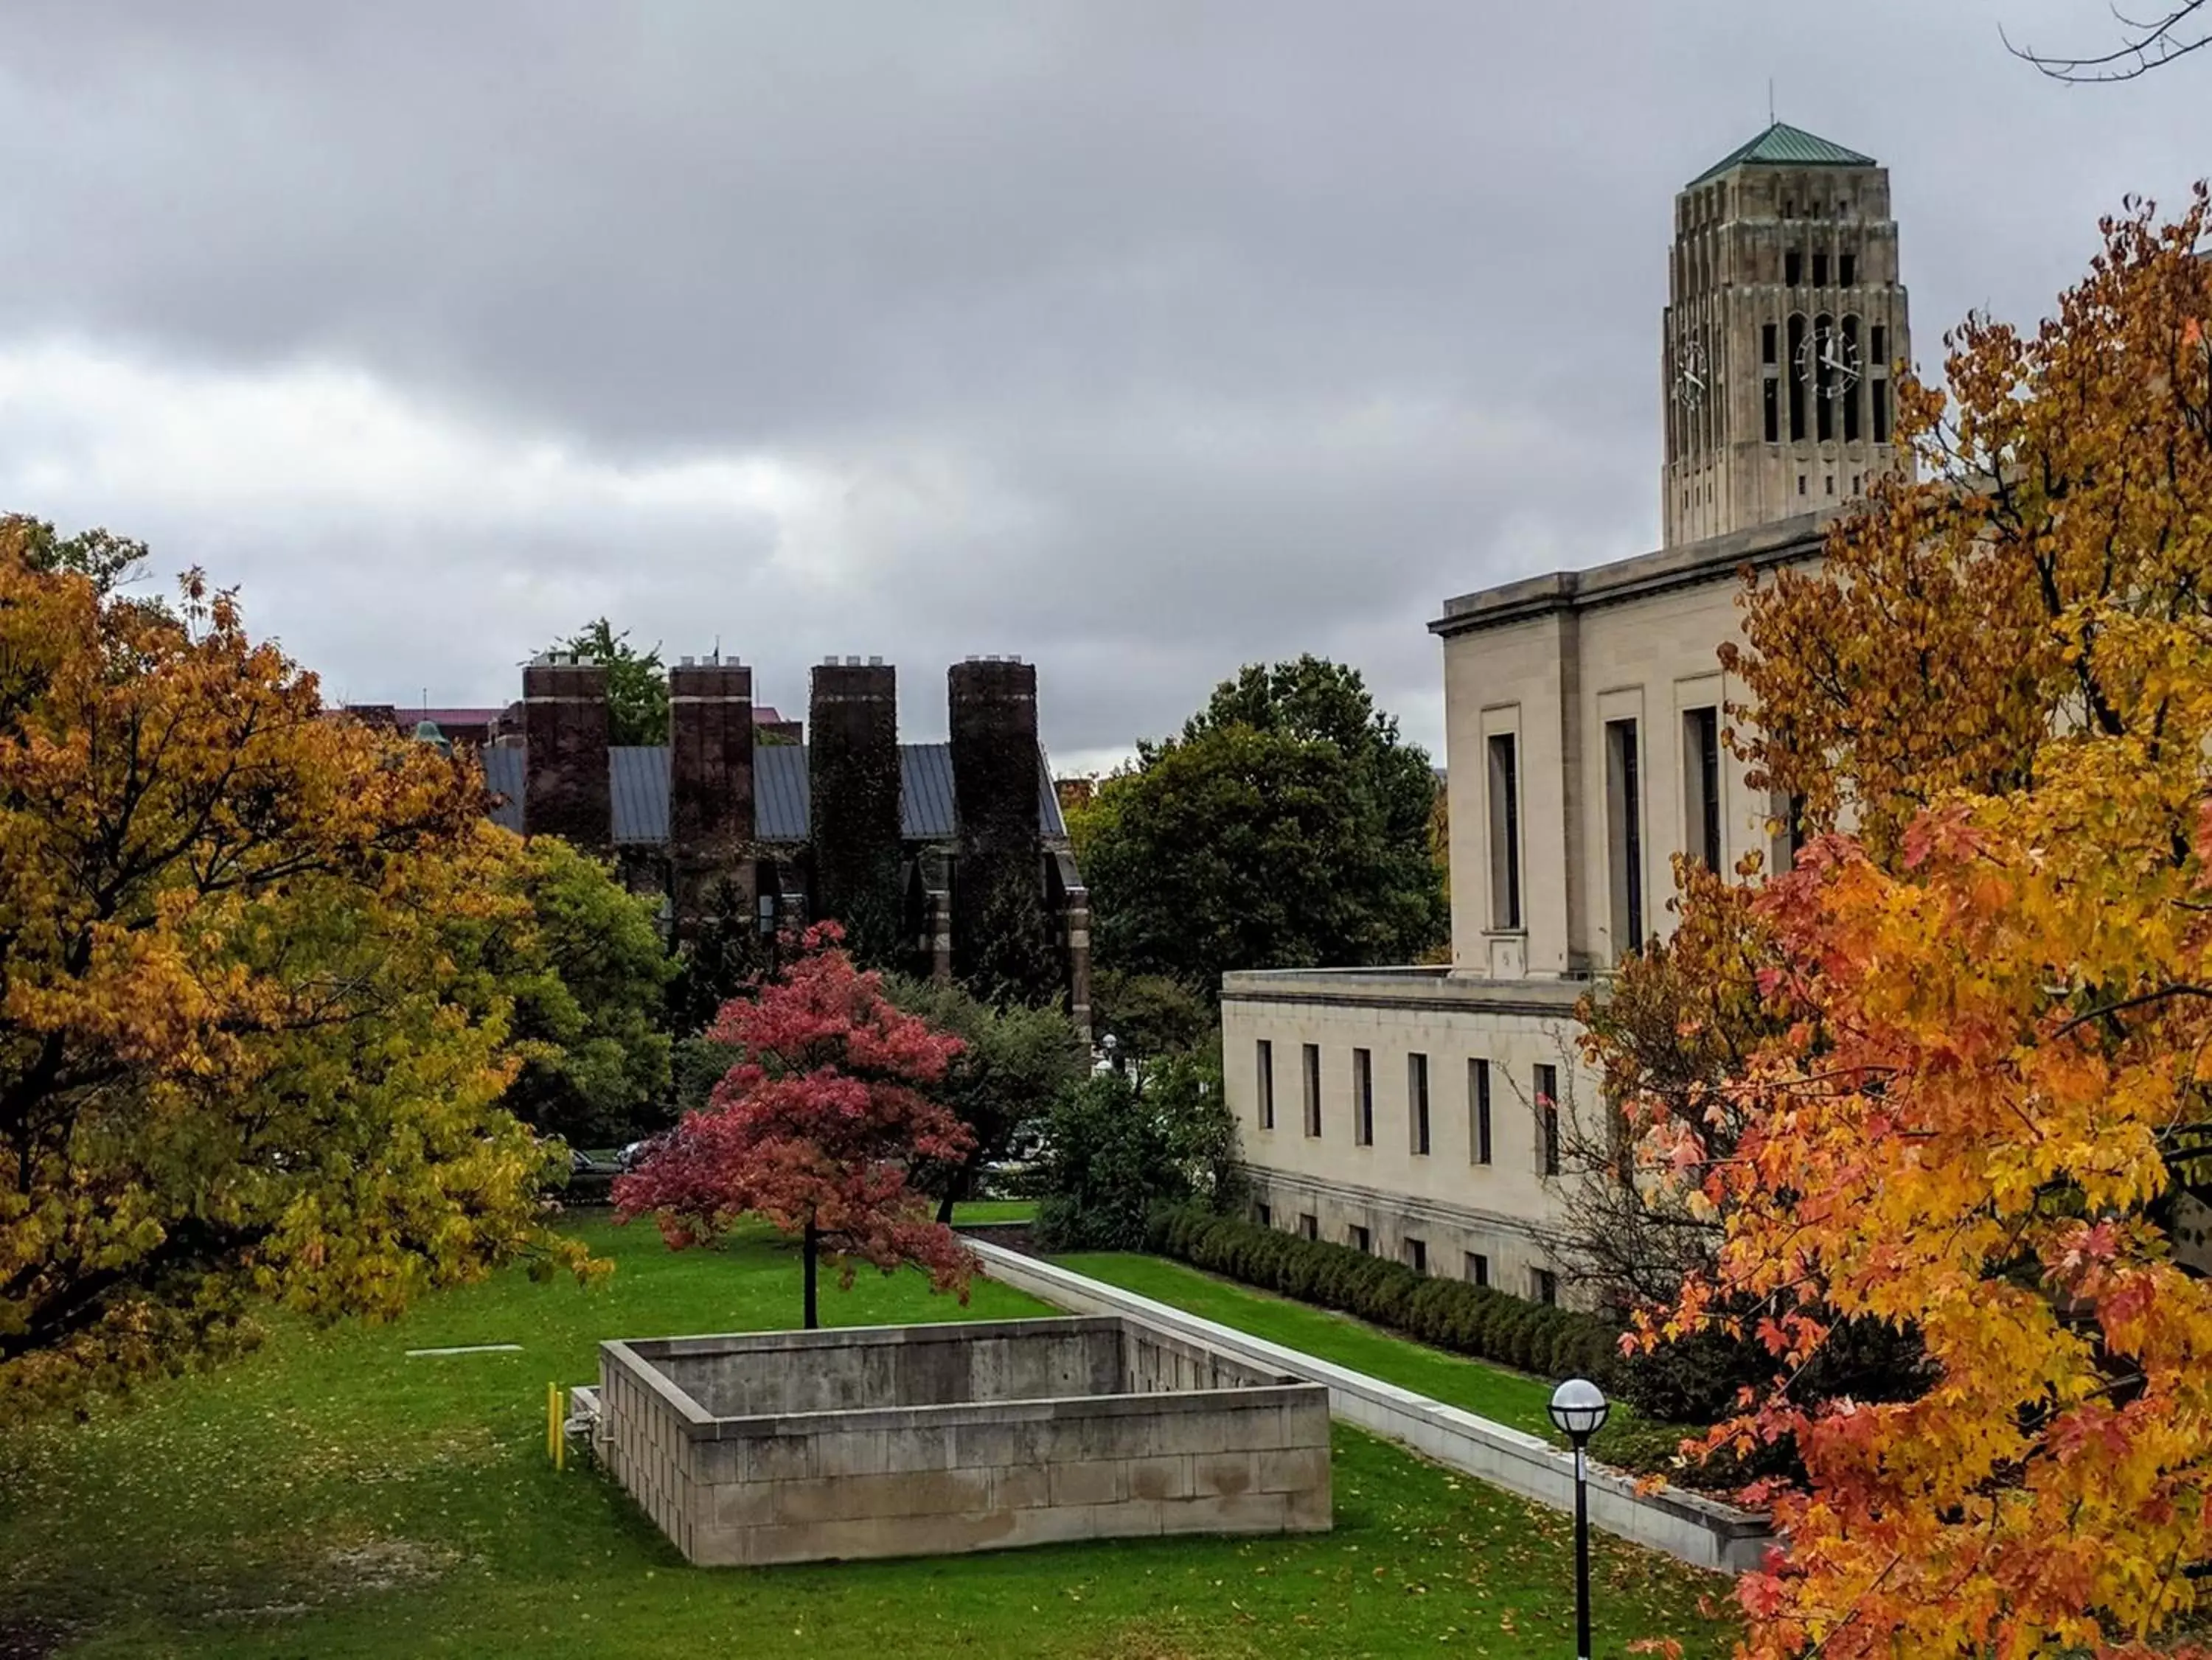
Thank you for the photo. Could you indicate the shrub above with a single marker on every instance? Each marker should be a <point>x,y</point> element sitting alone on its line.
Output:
<point>1452,1314</point>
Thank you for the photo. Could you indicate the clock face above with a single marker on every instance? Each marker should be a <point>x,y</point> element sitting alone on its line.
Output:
<point>1828,362</point>
<point>1692,375</point>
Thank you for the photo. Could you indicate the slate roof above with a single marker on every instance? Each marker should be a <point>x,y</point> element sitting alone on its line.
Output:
<point>638,783</point>
<point>1783,145</point>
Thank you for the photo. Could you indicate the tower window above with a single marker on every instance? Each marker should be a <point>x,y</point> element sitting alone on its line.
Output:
<point>1766,342</point>
<point>1849,394</point>
<point>1504,832</point>
<point>1830,484</point>
<point>1847,269</point>
<point>1801,484</point>
<point>1796,380</point>
<point>1624,793</point>
<point>1880,389</point>
<point>1879,352</point>
<point>1819,270</point>
<point>1701,776</point>
<point>1773,411</point>
<point>1792,268</point>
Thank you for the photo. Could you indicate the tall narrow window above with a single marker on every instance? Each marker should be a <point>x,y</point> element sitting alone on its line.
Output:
<point>1478,1112</point>
<point>1796,379</point>
<point>1548,1118</point>
<point>1849,393</point>
<point>1363,1098</point>
<point>1310,1068</point>
<point>1478,1268</point>
<point>1624,800</point>
<point>1417,1255</point>
<point>1880,390</point>
<point>1878,353</point>
<point>1504,832</point>
<point>1847,269</point>
<point>1878,381</point>
<point>1417,1103</point>
<point>1265,1061</point>
<point>1770,381</point>
<point>1819,270</point>
<point>1309,1226</point>
<point>1701,780</point>
<point>1792,268</point>
<point>1824,376</point>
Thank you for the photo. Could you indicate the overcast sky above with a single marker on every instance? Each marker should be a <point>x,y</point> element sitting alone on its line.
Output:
<point>1140,340</point>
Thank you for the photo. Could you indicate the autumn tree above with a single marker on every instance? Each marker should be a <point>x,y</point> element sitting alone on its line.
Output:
<point>1990,1105</point>
<point>815,1128</point>
<point>245,1051</point>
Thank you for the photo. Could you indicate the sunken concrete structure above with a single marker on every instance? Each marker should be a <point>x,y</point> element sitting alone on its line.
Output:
<point>938,858</point>
<point>799,1446</point>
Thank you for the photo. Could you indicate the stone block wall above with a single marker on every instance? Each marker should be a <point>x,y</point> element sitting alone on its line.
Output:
<point>785,1486</point>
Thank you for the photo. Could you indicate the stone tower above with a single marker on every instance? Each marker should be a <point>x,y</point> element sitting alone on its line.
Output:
<point>1784,320</point>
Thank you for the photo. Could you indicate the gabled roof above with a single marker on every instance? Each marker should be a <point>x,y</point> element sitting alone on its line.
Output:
<point>1783,145</point>
<point>638,789</point>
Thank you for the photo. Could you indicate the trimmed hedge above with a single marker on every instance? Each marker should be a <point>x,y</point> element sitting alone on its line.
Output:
<point>1452,1314</point>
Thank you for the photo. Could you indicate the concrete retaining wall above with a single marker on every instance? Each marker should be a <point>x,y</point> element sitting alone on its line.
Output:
<point>1243,1453</point>
<point>1684,1524</point>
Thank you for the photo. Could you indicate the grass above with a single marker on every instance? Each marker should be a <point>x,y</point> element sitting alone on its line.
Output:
<point>1491,1391</point>
<point>973,1213</point>
<point>331,1497</point>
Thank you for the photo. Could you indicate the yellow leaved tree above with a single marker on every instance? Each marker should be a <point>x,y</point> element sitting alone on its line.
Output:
<point>251,1046</point>
<point>1983,1118</point>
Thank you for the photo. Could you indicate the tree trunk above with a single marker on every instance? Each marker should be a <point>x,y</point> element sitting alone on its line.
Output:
<point>812,1251</point>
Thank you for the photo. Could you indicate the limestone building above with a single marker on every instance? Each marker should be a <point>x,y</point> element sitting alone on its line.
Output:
<point>1428,1114</point>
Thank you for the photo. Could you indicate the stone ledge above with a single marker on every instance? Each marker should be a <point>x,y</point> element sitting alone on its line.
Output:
<point>1686,1525</point>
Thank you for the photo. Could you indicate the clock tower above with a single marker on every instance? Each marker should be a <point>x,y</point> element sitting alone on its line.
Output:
<point>1784,321</point>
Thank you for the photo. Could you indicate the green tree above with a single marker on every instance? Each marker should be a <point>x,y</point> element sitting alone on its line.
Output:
<point>1114,1151</point>
<point>637,683</point>
<point>589,979</point>
<point>1287,827</point>
<point>1017,1060</point>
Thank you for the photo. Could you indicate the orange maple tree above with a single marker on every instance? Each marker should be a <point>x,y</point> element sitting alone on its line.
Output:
<point>1987,1120</point>
<point>252,1046</point>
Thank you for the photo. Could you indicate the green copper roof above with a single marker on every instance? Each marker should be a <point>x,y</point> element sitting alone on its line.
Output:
<point>1783,145</point>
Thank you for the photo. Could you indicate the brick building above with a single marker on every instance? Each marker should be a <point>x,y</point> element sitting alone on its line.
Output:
<point>924,850</point>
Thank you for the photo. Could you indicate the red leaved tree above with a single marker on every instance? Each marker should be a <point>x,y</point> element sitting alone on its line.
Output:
<point>815,1127</point>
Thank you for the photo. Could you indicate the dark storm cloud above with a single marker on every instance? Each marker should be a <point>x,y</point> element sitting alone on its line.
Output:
<point>1138,339</point>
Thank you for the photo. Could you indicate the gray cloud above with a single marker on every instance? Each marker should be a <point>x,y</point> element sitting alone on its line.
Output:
<point>1140,339</point>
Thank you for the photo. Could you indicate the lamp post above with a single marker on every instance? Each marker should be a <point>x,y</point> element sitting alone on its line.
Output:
<point>1578,1408</point>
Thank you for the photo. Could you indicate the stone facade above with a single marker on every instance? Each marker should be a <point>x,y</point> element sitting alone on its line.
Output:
<point>925,1440</point>
<point>1583,715</point>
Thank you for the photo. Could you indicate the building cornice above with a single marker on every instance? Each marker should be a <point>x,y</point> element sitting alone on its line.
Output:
<point>1430,991</point>
<point>1715,559</point>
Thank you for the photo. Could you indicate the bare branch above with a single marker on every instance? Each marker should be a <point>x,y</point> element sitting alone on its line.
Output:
<point>2146,44</point>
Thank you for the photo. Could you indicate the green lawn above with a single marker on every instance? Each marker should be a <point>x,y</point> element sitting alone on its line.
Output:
<point>971,1213</point>
<point>1492,1392</point>
<point>331,1497</point>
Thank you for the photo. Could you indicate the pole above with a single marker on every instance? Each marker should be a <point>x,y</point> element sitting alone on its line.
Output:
<point>1582,1555</point>
<point>809,1251</point>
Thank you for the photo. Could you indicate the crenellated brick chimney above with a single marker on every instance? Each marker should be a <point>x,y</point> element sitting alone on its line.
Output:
<point>853,788</point>
<point>565,784</point>
<point>710,787</point>
<point>1001,941</point>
